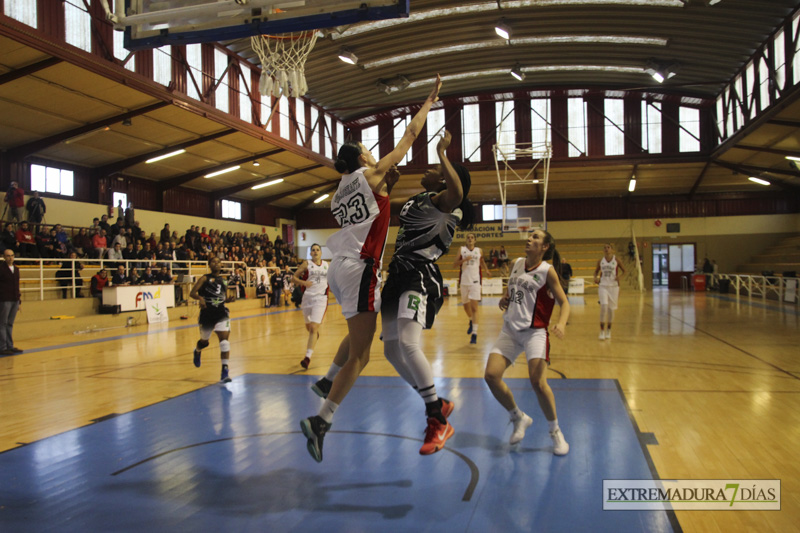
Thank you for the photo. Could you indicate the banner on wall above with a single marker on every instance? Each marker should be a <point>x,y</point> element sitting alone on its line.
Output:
<point>483,231</point>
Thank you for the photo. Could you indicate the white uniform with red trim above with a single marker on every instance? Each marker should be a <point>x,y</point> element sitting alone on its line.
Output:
<point>470,277</point>
<point>315,298</point>
<point>525,322</point>
<point>608,289</point>
<point>354,273</point>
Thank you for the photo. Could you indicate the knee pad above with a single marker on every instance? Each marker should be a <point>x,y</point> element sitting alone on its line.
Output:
<point>202,343</point>
<point>224,346</point>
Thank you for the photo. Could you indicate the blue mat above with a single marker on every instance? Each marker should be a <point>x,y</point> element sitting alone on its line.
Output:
<point>232,458</point>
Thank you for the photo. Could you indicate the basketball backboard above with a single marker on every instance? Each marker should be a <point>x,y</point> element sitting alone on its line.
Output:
<point>154,23</point>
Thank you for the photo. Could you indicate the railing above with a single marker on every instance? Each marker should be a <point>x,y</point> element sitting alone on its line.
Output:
<point>782,288</point>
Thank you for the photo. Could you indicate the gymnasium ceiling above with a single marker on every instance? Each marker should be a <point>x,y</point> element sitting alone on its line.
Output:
<point>58,106</point>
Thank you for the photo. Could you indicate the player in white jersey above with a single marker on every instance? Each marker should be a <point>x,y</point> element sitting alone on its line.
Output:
<point>470,261</point>
<point>533,288</point>
<point>312,276</point>
<point>361,207</point>
<point>607,275</point>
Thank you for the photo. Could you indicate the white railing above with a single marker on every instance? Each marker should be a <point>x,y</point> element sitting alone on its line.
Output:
<point>783,289</point>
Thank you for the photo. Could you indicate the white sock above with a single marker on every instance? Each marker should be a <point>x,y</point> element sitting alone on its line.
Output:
<point>327,410</point>
<point>553,425</point>
<point>332,371</point>
<point>309,352</point>
<point>474,329</point>
<point>516,413</point>
<point>225,362</point>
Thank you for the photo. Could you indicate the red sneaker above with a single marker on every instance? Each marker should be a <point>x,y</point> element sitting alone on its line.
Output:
<point>305,362</point>
<point>435,436</point>
<point>447,407</point>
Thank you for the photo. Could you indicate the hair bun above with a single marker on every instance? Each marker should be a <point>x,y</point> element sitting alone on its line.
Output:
<point>340,165</point>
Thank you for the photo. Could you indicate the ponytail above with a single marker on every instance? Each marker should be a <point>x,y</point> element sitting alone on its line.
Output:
<point>553,256</point>
<point>467,211</point>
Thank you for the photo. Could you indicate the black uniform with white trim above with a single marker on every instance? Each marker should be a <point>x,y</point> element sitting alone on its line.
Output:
<point>425,234</point>
<point>214,291</point>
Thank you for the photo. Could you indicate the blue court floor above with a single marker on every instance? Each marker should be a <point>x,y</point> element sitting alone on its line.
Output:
<point>232,458</point>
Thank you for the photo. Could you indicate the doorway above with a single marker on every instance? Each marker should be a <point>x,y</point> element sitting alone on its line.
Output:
<point>672,263</point>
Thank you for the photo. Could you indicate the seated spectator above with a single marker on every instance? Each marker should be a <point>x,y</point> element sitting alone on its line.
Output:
<point>48,245</point>
<point>100,244</point>
<point>104,225</point>
<point>129,254</point>
<point>82,243</point>
<point>115,254</point>
<point>70,271</point>
<point>147,277</point>
<point>163,275</point>
<point>63,240</point>
<point>263,290</point>
<point>99,281</point>
<point>120,238</point>
<point>120,277</point>
<point>236,282</point>
<point>26,241</point>
<point>134,276</point>
<point>152,240</point>
<point>146,255</point>
<point>116,228</point>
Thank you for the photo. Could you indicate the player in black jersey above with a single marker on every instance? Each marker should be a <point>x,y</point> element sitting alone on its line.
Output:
<point>413,292</point>
<point>211,292</point>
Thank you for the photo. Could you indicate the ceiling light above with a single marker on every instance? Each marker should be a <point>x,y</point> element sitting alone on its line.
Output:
<point>392,85</point>
<point>220,172</point>
<point>759,181</point>
<point>502,29</point>
<point>267,184</point>
<point>127,122</point>
<point>347,56</point>
<point>517,72</point>
<point>321,198</point>
<point>792,158</point>
<point>165,156</point>
<point>256,164</point>
<point>85,135</point>
<point>632,185</point>
<point>661,70</point>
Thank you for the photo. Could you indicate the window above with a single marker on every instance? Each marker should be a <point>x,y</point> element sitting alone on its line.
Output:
<point>121,53</point>
<point>750,75</point>
<point>162,65</point>
<point>796,58</point>
<point>22,10</point>
<point>651,130</point>
<point>540,121</point>
<point>495,212</point>
<point>300,117</point>
<point>54,180</point>
<point>576,126</point>
<point>266,108</point>
<point>763,76</point>
<point>231,210</point>
<point>506,133</point>
<point>222,94</point>
<point>314,129</point>
<point>435,129</point>
<point>194,58</point>
<point>471,126</point>
<point>615,120</point>
<point>400,126</point>
<point>327,131</point>
<point>283,110</point>
<point>738,105</point>
<point>369,138</point>
<point>721,118</point>
<point>77,25</point>
<point>339,136</point>
<point>779,57</point>
<point>689,140</point>
<point>117,197</point>
<point>245,104</point>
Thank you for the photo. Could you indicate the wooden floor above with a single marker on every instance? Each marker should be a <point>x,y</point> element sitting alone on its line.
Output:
<point>715,379</point>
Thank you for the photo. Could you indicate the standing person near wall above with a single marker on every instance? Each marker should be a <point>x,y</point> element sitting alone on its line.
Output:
<point>566,274</point>
<point>15,198</point>
<point>361,207</point>
<point>533,288</point>
<point>470,261</point>
<point>607,275</point>
<point>10,303</point>
<point>36,210</point>
<point>312,276</point>
<point>211,293</point>
<point>413,293</point>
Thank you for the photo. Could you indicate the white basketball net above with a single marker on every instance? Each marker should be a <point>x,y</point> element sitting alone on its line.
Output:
<point>283,61</point>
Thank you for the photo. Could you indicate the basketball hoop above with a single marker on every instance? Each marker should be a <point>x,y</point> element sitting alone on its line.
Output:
<point>283,61</point>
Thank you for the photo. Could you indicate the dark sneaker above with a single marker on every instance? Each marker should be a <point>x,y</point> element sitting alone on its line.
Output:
<point>224,377</point>
<point>436,434</point>
<point>470,328</point>
<point>447,407</point>
<point>197,358</point>
<point>305,362</point>
<point>474,339</point>
<point>322,387</point>
<point>314,429</point>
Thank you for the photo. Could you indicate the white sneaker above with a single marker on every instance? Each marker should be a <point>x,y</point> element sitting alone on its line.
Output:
<point>608,334</point>
<point>602,335</point>
<point>520,425</point>
<point>560,446</point>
